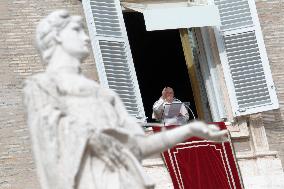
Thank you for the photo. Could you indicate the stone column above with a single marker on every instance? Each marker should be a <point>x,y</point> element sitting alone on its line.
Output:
<point>258,135</point>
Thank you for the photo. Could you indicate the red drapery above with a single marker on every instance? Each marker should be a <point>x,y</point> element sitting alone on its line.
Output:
<point>201,164</point>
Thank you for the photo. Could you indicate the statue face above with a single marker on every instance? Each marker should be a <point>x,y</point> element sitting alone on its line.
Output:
<point>74,40</point>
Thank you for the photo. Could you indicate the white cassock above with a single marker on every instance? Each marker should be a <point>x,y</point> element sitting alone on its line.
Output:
<point>158,111</point>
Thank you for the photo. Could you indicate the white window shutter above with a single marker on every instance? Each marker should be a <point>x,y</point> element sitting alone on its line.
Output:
<point>244,59</point>
<point>112,52</point>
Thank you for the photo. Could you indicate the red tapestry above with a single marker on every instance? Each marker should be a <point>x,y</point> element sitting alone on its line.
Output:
<point>201,164</point>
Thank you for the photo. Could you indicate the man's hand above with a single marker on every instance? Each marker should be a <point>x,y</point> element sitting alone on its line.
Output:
<point>164,91</point>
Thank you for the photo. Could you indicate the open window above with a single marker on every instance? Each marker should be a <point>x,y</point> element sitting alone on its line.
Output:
<point>111,47</point>
<point>159,62</point>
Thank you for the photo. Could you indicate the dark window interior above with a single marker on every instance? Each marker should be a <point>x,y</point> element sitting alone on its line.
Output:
<point>159,61</point>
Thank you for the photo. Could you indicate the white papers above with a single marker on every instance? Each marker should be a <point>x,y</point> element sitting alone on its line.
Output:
<point>171,121</point>
<point>172,110</point>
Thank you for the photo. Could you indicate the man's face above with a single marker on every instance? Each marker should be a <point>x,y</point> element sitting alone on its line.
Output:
<point>74,40</point>
<point>169,94</point>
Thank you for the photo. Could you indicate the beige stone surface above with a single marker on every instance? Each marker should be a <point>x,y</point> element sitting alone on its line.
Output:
<point>157,170</point>
<point>19,59</point>
<point>271,17</point>
<point>262,173</point>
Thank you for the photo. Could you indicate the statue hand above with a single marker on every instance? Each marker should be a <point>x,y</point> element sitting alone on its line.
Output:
<point>108,150</point>
<point>207,131</point>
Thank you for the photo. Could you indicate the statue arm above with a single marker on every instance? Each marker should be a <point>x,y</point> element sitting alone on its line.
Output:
<point>149,145</point>
<point>164,140</point>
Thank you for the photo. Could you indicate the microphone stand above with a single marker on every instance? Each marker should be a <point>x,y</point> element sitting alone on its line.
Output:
<point>187,106</point>
<point>189,110</point>
<point>163,116</point>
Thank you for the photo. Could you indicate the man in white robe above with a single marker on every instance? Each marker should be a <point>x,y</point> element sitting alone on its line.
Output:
<point>161,105</point>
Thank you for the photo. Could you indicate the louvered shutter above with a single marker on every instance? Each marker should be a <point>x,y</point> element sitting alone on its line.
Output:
<point>112,52</point>
<point>244,59</point>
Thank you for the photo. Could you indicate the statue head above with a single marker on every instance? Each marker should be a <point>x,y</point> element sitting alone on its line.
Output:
<point>59,29</point>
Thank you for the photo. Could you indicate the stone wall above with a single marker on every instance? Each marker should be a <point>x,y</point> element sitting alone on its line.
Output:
<point>271,17</point>
<point>19,59</point>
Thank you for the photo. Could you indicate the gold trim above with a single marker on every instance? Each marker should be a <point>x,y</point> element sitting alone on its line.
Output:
<point>191,71</point>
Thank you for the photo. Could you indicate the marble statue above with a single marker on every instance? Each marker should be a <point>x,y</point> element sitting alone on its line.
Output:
<point>82,135</point>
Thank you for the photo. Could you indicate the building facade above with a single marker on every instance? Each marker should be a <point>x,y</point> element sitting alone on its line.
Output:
<point>257,135</point>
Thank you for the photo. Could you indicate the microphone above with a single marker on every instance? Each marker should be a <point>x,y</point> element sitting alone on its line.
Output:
<point>187,105</point>
<point>176,99</point>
